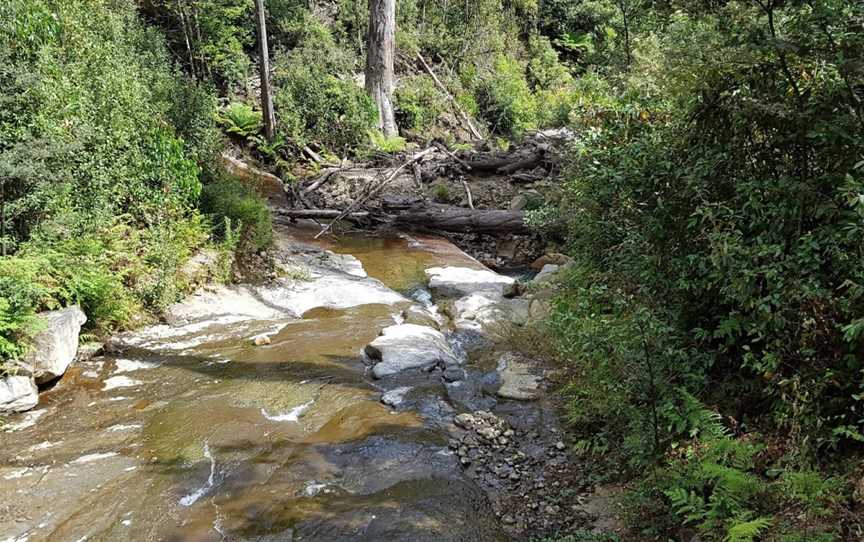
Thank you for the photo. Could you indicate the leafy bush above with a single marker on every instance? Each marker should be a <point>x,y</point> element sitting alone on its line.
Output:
<point>504,98</point>
<point>418,102</point>
<point>101,144</point>
<point>314,103</point>
<point>228,198</point>
<point>715,216</point>
<point>382,143</point>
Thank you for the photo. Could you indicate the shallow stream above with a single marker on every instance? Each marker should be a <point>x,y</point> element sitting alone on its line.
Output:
<point>197,434</point>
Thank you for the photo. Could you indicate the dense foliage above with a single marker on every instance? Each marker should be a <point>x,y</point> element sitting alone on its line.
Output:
<point>717,220</point>
<point>103,147</point>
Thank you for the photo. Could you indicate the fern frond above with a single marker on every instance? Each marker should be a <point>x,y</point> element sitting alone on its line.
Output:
<point>746,531</point>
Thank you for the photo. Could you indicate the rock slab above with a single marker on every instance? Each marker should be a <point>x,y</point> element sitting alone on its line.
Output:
<point>409,346</point>
<point>55,346</point>
<point>463,281</point>
<point>18,393</point>
<point>517,382</point>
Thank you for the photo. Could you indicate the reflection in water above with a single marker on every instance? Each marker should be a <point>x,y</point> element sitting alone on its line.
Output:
<point>225,440</point>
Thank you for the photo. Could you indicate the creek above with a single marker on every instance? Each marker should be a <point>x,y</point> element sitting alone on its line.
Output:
<point>253,415</point>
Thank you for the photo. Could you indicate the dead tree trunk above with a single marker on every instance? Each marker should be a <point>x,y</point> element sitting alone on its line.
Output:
<point>455,219</point>
<point>381,47</point>
<point>264,67</point>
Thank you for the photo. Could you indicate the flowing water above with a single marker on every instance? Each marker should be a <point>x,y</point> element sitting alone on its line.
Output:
<point>200,435</point>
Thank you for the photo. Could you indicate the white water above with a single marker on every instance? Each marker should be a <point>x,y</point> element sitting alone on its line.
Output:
<point>292,415</point>
<point>190,499</point>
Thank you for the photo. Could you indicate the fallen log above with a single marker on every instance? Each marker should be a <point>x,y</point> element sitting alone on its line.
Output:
<point>458,219</point>
<point>507,163</point>
<point>374,190</point>
<point>324,214</point>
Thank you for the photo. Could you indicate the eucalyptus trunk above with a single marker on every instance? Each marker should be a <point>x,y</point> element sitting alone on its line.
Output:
<point>381,48</point>
<point>264,66</point>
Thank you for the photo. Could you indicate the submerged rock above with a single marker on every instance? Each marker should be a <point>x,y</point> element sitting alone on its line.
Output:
<point>55,346</point>
<point>409,346</point>
<point>517,382</point>
<point>463,281</point>
<point>18,393</point>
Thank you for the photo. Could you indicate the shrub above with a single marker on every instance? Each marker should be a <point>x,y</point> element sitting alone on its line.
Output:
<point>314,104</point>
<point>321,108</point>
<point>382,143</point>
<point>418,102</point>
<point>504,98</point>
<point>229,198</point>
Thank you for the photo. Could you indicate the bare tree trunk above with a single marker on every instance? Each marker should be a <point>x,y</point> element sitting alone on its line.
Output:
<point>381,48</point>
<point>622,5</point>
<point>188,42</point>
<point>3,217</point>
<point>264,67</point>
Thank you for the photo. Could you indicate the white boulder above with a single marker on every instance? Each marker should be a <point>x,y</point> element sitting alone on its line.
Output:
<point>18,393</point>
<point>462,281</point>
<point>409,346</point>
<point>55,346</point>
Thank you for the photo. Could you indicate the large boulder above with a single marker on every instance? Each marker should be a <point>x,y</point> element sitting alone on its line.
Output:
<point>483,312</point>
<point>18,393</point>
<point>409,346</point>
<point>463,281</point>
<point>55,346</point>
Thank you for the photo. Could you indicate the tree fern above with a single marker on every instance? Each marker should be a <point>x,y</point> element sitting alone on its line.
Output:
<point>746,531</point>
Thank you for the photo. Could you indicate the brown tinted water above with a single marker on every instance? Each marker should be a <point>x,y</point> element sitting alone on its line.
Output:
<point>224,440</point>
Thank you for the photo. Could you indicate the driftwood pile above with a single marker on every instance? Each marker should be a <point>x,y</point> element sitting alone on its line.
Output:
<point>394,193</point>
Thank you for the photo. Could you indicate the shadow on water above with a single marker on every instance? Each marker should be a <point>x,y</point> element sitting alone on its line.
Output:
<point>392,485</point>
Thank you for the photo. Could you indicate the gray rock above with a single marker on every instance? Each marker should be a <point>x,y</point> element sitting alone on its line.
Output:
<point>517,382</point>
<point>395,397</point>
<point>191,322</point>
<point>467,394</point>
<point>55,346</point>
<point>483,312</point>
<point>421,316</point>
<point>549,271</point>
<point>518,310</point>
<point>18,393</point>
<point>284,298</point>
<point>409,346</point>
<point>454,374</point>
<point>539,309</point>
<point>346,263</point>
<point>463,281</point>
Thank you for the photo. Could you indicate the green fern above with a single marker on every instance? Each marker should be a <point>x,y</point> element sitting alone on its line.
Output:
<point>746,531</point>
<point>687,504</point>
<point>240,119</point>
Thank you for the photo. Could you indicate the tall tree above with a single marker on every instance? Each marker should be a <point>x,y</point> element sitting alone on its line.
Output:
<point>264,66</point>
<point>379,61</point>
